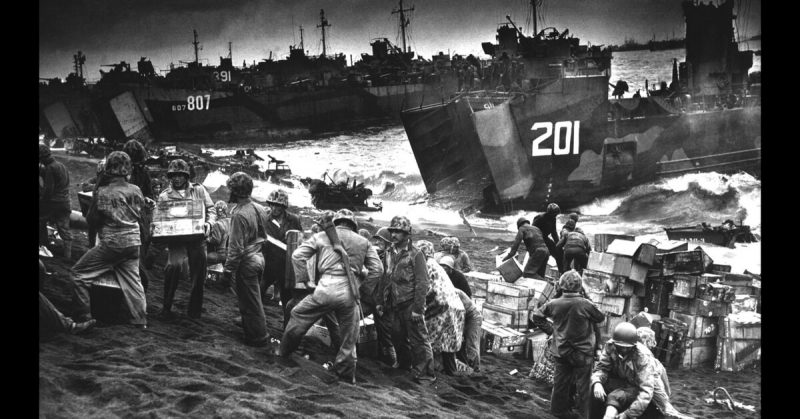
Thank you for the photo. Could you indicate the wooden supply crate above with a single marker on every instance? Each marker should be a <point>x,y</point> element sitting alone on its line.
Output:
<point>686,285</point>
<point>690,262</point>
<point>538,285</point>
<point>716,292</point>
<point>603,240</point>
<point>511,296</point>
<point>671,246</point>
<point>657,292</point>
<point>617,265</point>
<point>634,305</point>
<point>609,303</point>
<point>551,273</point>
<point>179,219</point>
<point>698,326</point>
<point>478,282</point>
<point>735,330</point>
<point>501,340</point>
<point>515,319</point>
<point>697,306</point>
<point>546,295</point>
<point>698,352</point>
<point>744,303</point>
<point>600,281</point>
<point>643,253</point>
<point>511,270</point>
<point>535,345</point>
<point>670,341</point>
<point>717,268</point>
<point>736,354</point>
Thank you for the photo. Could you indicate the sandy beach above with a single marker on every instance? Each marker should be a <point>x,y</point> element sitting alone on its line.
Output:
<point>184,367</point>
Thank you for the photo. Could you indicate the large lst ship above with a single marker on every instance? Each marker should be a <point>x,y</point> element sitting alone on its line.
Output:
<point>551,133</point>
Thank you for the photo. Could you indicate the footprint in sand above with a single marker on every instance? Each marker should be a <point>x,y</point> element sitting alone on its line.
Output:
<point>189,403</point>
<point>82,386</point>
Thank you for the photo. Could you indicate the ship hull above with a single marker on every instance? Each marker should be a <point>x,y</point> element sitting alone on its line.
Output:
<point>570,144</point>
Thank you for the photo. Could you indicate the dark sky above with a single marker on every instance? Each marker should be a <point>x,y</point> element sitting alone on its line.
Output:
<point>109,31</point>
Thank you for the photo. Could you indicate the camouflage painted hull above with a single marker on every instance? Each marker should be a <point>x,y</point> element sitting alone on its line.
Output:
<point>569,144</point>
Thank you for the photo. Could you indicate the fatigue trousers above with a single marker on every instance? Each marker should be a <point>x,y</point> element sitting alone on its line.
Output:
<point>620,394</point>
<point>577,256</point>
<point>331,295</point>
<point>297,295</point>
<point>58,213</point>
<point>275,275</point>
<point>124,264</point>
<point>196,253</point>
<point>470,352</point>
<point>537,263</point>
<point>411,342</point>
<point>383,326</point>
<point>575,368</point>
<point>556,253</point>
<point>51,320</point>
<point>248,292</point>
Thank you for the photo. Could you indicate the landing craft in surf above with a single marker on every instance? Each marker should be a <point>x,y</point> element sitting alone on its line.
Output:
<point>549,133</point>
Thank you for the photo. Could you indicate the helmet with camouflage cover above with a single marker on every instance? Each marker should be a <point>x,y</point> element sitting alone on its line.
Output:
<point>222,208</point>
<point>570,281</point>
<point>178,166</point>
<point>446,243</point>
<point>278,197</point>
<point>135,150</point>
<point>101,165</point>
<point>240,184</point>
<point>400,223</point>
<point>553,208</point>
<point>384,234</point>
<point>425,247</point>
<point>454,241</point>
<point>118,163</point>
<point>345,216</point>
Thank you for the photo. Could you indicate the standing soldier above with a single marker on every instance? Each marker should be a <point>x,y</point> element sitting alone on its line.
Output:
<point>382,240</point>
<point>115,213</point>
<point>141,178</point>
<point>574,344</point>
<point>218,237</point>
<point>534,243</point>
<point>409,286</point>
<point>279,221</point>
<point>180,188</point>
<point>54,200</point>
<point>547,224</point>
<point>576,248</point>
<point>335,290</point>
<point>245,261</point>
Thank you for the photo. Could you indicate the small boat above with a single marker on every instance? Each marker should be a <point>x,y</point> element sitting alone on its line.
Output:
<point>246,161</point>
<point>725,235</point>
<point>335,196</point>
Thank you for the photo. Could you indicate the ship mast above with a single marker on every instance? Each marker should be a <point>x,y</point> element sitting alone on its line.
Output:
<point>79,59</point>
<point>302,47</point>
<point>230,50</point>
<point>403,21</point>
<point>323,23</point>
<point>533,13</point>
<point>195,43</point>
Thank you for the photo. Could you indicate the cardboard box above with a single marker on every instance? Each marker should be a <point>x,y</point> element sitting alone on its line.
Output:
<point>509,296</point>
<point>501,340</point>
<point>515,319</point>
<point>686,285</point>
<point>178,219</point>
<point>608,303</point>
<point>657,292</point>
<point>643,253</point>
<point>698,307</point>
<point>603,240</point>
<point>699,326</point>
<point>478,282</point>
<point>601,262</point>
<point>511,270</point>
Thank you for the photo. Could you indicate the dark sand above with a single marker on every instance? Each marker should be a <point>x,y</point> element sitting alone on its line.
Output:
<point>201,368</point>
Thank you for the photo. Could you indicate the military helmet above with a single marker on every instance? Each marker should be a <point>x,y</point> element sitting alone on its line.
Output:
<point>384,234</point>
<point>400,223</point>
<point>574,216</point>
<point>521,221</point>
<point>101,165</point>
<point>454,241</point>
<point>178,166</point>
<point>570,281</point>
<point>278,197</point>
<point>446,243</point>
<point>346,216</point>
<point>570,224</point>
<point>118,163</point>
<point>240,184</point>
<point>44,151</point>
<point>425,247</point>
<point>135,150</point>
<point>553,208</point>
<point>447,260</point>
<point>222,208</point>
<point>625,335</point>
<point>363,232</point>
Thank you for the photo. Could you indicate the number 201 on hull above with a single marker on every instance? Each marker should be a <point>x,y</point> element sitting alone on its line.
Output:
<point>564,142</point>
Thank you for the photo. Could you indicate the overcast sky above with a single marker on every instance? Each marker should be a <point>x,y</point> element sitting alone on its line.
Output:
<point>109,31</point>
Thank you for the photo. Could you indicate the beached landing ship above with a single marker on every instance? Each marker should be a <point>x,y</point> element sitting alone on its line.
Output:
<point>553,134</point>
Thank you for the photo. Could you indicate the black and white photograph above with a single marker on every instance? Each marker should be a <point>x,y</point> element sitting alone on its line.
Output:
<point>400,209</point>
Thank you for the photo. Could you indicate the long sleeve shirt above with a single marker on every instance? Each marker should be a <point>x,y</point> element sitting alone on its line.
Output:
<point>245,237</point>
<point>360,252</point>
<point>573,317</point>
<point>531,236</point>
<point>116,212</point>
<point>547,224</point>
<point>638,369</point>
<point>195,192</point>
<point>218,237</point>
<point>56,182</point>
<point>575,239</point>
<point>409,276</point>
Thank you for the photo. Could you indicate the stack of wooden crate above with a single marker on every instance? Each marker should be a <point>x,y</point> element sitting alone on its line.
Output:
<point>739,341</point>
<point>615,280</point>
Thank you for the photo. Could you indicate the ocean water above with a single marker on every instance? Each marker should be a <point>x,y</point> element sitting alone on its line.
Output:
<point>382,158</point>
